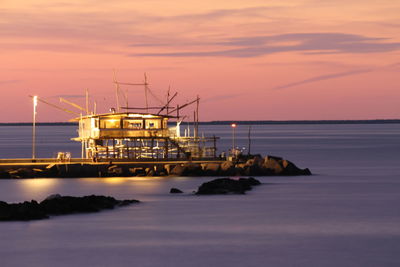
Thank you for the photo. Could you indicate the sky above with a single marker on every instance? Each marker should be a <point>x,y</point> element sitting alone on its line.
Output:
<point>247,60</point>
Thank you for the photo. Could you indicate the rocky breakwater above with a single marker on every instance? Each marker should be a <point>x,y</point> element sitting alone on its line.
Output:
<point>254,166</point>
<point>58,205</point>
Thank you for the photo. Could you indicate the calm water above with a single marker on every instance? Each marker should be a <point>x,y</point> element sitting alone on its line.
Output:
<point>348,214</point>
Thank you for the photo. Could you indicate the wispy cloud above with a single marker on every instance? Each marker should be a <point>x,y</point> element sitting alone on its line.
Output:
<point>120,25</point>
<point>321,43</point>
<point>9,81</point>
<point>220,97</point>
<point>335,75</point>
<point>322,78</point>
<point>77,27</point>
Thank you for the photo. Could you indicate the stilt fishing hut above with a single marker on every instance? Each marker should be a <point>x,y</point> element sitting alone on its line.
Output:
<point>139,136</point>
<point>134,135</point>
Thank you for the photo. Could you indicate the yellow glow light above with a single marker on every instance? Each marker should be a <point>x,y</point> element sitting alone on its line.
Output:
<point>35,100</point>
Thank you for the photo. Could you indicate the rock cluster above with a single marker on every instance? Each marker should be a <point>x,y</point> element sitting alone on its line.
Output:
<point>255,166</point>
<point>227,186</point>
<point>58,205</point>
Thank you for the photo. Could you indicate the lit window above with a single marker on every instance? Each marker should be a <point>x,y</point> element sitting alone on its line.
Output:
<point>133,124</point>
<point>110,124</point>
<point>152,124</point>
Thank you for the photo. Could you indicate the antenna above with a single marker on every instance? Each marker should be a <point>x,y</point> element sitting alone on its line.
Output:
<point>87,101</point>
<point>197,115</point>
<point>145,92</point>
<point>169,88</point>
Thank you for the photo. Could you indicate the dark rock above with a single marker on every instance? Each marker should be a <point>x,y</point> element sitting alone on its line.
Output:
<point>250,181</point>
<point>227,168</point>
<point>306,171</point>
<point>114,170</point>
<point>274,157</point>
<point>56,205</point>
<point>150,172</point>
<point>272,164</point>
<point>22,211</point>
<point>278,166</point>
<point>255,161</point>
<point>168,168</point>
<point>21,173</point>
<point>211,169</point>
<point>160,170</point>
<point>4,174</point>
<point>177,170</point>
<point>175,191</point>
<point>290,169</point>
<point>193,169</point>
<point>187,169</point>
<point>227,186</point>
<point>137,171</point>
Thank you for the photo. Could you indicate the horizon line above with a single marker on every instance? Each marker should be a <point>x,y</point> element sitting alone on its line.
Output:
<point>244,122</point>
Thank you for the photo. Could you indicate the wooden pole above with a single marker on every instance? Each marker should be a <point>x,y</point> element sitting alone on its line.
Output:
<point>145,92</point>
<point>169,88</point>
<point>87,101</point>
<point>197,116</point>
<point>194,125</point>
<point>34,128</point>
<point>116,90</point>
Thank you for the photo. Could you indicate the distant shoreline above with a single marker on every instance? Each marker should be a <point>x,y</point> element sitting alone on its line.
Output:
<point>258,122</point>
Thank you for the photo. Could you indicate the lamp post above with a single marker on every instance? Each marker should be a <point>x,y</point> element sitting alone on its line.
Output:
<point>233,125</point>
<point>34,127</point>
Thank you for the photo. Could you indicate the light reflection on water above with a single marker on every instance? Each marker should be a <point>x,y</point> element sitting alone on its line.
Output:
<point>37,186</point>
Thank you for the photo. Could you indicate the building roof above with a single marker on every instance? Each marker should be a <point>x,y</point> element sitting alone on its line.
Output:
<point>133,115</point>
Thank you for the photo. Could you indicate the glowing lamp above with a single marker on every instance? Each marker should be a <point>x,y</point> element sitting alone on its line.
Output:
<point>35,101</point>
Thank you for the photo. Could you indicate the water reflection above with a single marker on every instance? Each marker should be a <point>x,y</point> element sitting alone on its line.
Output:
<point>37,186</point>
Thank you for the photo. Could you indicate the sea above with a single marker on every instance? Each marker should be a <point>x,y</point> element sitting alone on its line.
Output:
<point>346,214</point>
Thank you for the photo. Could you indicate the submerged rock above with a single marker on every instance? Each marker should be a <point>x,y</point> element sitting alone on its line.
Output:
<point>227,186</point>
<point>175,191</point>
<point>22,211</point>
<point>56,205</point>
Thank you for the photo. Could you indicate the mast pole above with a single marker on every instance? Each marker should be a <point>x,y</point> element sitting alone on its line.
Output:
<point>169,88</point>
<point>87,101</point>
<point>81,133</point>
<point>145,92</point>
<point>194,125</point>
<point>116,90</point>
<point>34,128</point>
<point>197,115</point>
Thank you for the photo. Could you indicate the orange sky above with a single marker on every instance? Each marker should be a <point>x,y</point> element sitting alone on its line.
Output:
<point>248,60</point>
